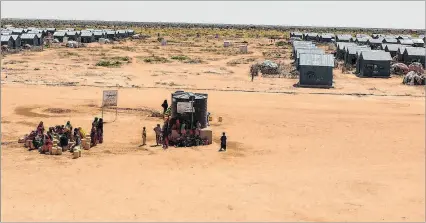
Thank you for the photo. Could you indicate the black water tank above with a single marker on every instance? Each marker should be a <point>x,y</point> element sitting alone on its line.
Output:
<point>200,107</point>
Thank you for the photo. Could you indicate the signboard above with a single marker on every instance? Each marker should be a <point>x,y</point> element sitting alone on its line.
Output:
<point>110,98</point>
<point>183,107</point>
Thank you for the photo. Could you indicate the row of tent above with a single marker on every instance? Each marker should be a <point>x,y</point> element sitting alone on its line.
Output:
<point>349,52</point>
<point>374,40</point>
<point>314,65</point>
<point>15,38</point>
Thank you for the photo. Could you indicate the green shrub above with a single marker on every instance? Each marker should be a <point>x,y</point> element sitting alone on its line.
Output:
<point>180,57</point>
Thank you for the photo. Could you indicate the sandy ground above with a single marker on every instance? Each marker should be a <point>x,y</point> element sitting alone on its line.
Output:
<point>352,153</point>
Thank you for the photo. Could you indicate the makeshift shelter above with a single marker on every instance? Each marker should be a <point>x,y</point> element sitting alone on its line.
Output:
<point>400,52</point>
<point>418,42</point>
<point>376,36</point>
<point>296,34</point>
<point>352,53</point>
<point>407,42</point>
<point>110,34</point>
<point>390,41</point>
<point>414,54</point>
<point>392,49</point>
<point>7,41</point>
<point>316,70</point>
<point>17,31</point>
<point>375,44</point>
<point>326,38</point>
<point>40,39</point>
<point>30,39</point>
<point>59,36</point>
<point>50,30</point>
<point>16,41</point>
<point>343,38</point>
<point>374,64</point>
<point>122,34</point>
<point>361,41</point>
<point>341,49</point>
<point>72,35</point>
<point>306,51</point>
<point>130,32</point>
<point>311,36</point>
<point>404,37</point>
<point>361,35</point>
<point>87,37</point>
<point>297,48</point>
<point>98,35</point>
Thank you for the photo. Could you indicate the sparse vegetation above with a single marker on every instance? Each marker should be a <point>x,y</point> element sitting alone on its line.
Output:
<point>68,54</point>
<point>240,61</point>
<point>154,59</point>
<point>108,63</point>
<point>15,62</point>
<point>280,43</point>
<point>126,48</point>
<point>180,57</point>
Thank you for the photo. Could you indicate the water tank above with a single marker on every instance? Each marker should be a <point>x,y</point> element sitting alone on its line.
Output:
<point>199,103</point>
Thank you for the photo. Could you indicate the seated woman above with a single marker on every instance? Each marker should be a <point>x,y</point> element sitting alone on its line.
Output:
<point>82,133</point>
<point>38,142</point>
<point>63,142</point>
<point>48,144</point>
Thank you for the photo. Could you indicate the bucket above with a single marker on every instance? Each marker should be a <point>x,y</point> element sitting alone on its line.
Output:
<point>210,118</point>
<point>220,119</point>
<point>54,151</point>
<point>76,154</point>
<point>58,151</point>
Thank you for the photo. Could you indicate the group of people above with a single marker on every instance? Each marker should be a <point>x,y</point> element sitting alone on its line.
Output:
<point>43,141</point>
<point>188,135</point>
<point>97,132</point>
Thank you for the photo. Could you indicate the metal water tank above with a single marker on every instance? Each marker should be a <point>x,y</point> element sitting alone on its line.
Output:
<point>199,103</point>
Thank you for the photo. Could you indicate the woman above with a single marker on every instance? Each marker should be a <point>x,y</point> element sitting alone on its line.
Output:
<point>68,130</point>
<point>77,137</point>
<point>100,130</point>
<point>48,144</point>
<point>38,142</point>
<point>93,137</point>
<point>165,105</point>
<point>82,133</point>
<point>63,142</point>
<point>40,128</point>
<point>95,122</point>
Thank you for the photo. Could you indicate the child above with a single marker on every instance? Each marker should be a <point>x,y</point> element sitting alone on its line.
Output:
<point>222,143</point>
<point>143,136</point>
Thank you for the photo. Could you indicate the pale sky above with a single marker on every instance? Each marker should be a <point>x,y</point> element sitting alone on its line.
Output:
<point>379,14</point>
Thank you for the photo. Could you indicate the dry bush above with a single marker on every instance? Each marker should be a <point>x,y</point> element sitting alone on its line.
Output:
<point>153,59</point>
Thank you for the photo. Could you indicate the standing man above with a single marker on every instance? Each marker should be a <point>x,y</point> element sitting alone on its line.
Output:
<point>222,143</point>
<point>143,136</point>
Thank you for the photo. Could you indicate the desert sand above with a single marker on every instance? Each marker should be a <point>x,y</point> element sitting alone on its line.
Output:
<point>352,153</point>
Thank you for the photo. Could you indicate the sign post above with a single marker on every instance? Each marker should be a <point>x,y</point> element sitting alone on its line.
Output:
<point>110,98</point>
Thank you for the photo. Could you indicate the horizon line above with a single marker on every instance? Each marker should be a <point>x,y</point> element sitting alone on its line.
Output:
<point>222,24</point>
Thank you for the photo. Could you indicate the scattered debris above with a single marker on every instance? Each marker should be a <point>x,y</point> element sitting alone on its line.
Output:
<point>414,78</point>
